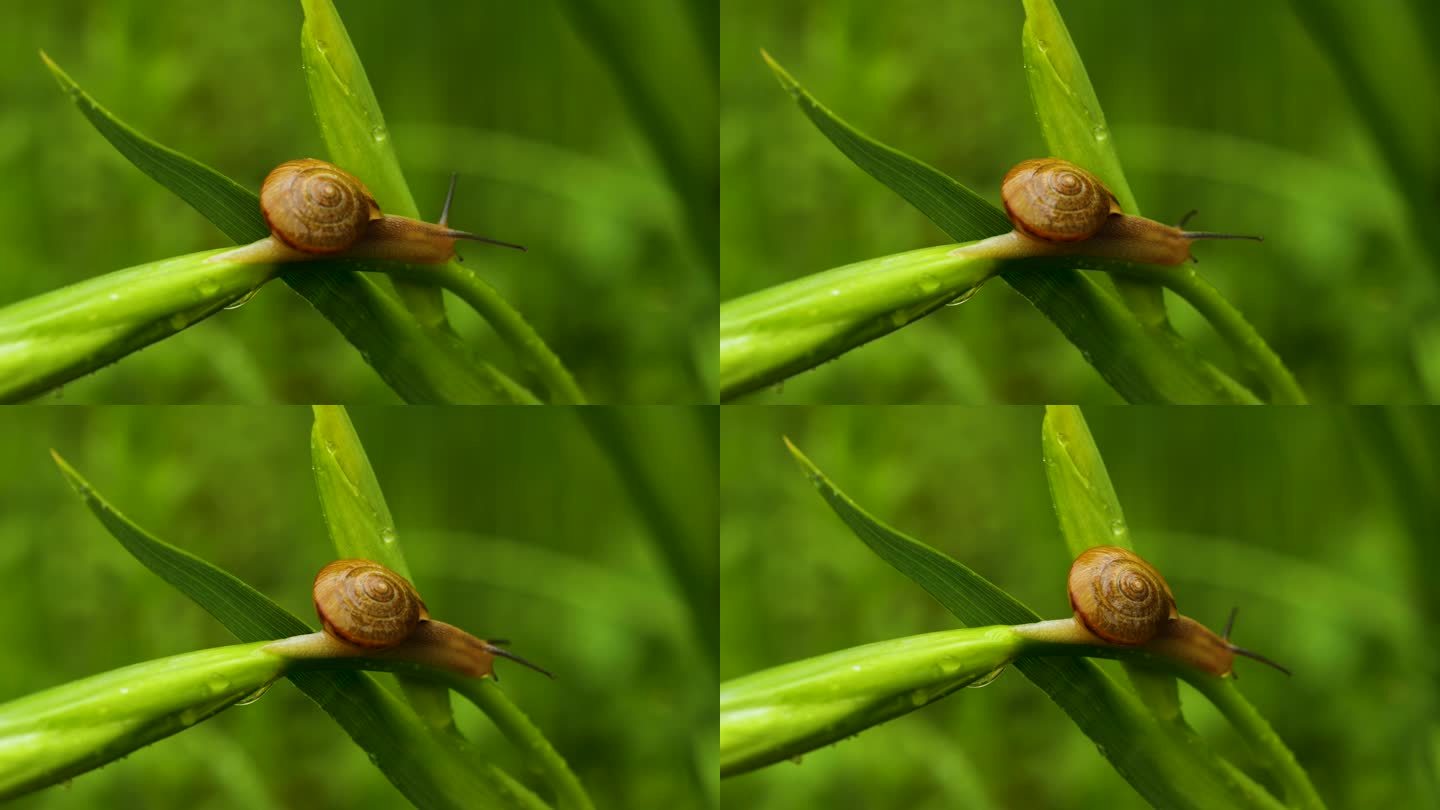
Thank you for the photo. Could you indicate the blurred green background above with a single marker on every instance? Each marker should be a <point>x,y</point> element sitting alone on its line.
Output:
<point>512,96</point>
<point>1319,523</point>
<point>514,523</point>
<point>1230,107</point>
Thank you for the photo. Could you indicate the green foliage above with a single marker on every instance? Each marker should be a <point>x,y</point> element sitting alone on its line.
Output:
<point>282,750</point>
<point>1257,508</point>
<point>1339,289</point>
<point>581,249</point>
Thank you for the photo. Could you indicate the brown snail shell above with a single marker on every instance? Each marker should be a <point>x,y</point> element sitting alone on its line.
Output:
<point>316,207</point>
<point>1120,597</point>
<point>366,604</point>
<point>1055,200</point>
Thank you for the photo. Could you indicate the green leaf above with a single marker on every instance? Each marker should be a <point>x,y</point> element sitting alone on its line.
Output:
<point>1140,751</point>
<point>355,511</point>
<point>61,732</point>
<point>429,769</point>
<point>1142,365</point>
<point>1074,126</point>
<point>416,365</point>
<point>776,333</point>
<point>50,339</point>
<point>361,527</point>
<point>960,212</point>
<point>354,131</point>
<point>789,710</point>
<point>1080,488</point>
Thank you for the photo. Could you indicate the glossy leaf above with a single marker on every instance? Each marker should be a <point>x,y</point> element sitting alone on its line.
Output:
<point>1074,126</point>
<point>354,130</point>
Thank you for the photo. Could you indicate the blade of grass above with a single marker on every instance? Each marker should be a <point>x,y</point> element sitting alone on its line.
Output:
<point>1142,365</point>
<point>1080,488</point>
<point>415,365</point>
<point>51,339</point>
<point>776,333</point>
<point>1139,750</point>
<point>1074,128</point>
<point>354,132</point>
<point>51,736</point>
<point>361,527</point>
<point>427,768</point>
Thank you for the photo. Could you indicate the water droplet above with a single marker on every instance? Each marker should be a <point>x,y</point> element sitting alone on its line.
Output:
<point>986,679</point>
<point>927,284</point>
<point>919,697</point>
<point>254,696</point>
<point>217,685</point>
<point>1100,133</point>
<point>189,717</point>
<point>1117,527</point>
<point>178,322</point>
<point>244,300</point>
<point>797,759</point>
<point>114,296</point>
<point>963,297</point>
<point>379,134</point>
<point>388,536</point>
<point>209,287</point>
<point>124,690</point>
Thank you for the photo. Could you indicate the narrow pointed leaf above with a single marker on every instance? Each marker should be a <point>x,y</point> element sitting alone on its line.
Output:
<point>53,338</point>
<point>361,527</point>
<point>778,332</point>
<point>1080,488</point>
<point>1074,125</point>
<point>354,131</point>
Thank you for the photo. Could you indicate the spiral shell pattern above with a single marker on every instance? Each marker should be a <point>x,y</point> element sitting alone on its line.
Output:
<point>367,604</point>
<point>1118,596</point>
<point>1055,200</point>
<point>316,207</point>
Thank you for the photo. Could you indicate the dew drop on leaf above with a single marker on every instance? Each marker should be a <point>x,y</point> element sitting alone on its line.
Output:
<point>986,679</point>
<point>254,696</point>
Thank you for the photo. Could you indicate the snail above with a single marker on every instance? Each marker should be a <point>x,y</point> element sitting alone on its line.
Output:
<point>1060,209</point>
<point>369,610</point>
<point>317,210</point>
<point>1120,600</point>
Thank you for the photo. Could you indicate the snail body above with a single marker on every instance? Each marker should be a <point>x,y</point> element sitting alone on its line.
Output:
<point>368,610</point>
<point>317,210</point>
<point>1060,209</point>
<point>1120,600</point>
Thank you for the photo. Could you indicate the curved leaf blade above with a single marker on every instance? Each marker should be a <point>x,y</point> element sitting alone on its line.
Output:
<point>1074,126</point>
<point>1080,490</point>
<point>354,131</point>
